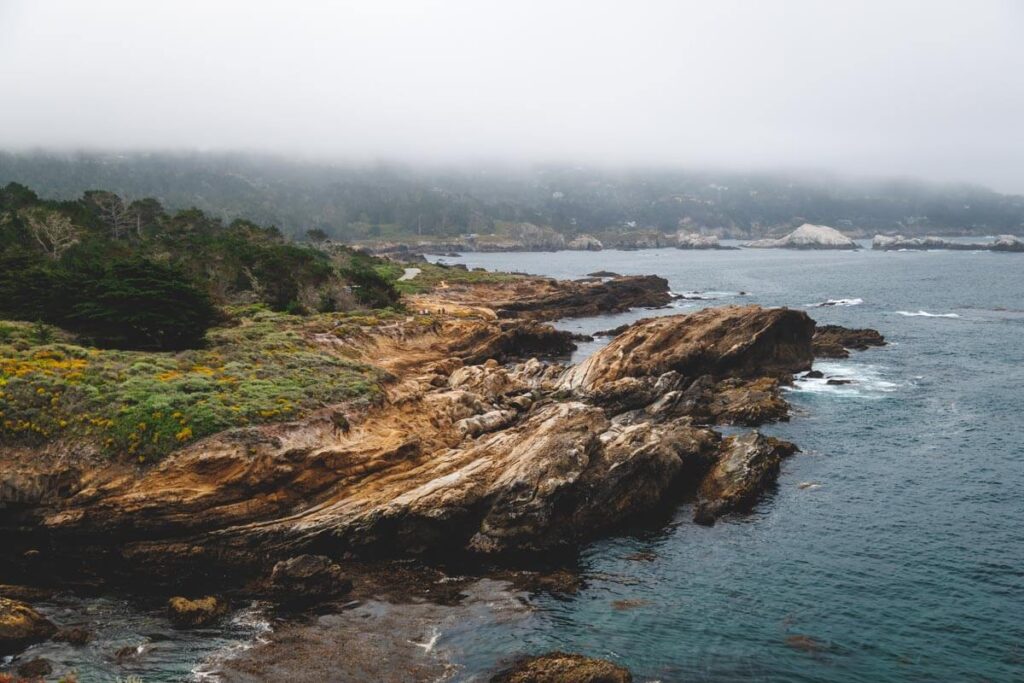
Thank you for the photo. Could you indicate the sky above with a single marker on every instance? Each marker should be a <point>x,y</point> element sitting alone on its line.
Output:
<point>930,89</point>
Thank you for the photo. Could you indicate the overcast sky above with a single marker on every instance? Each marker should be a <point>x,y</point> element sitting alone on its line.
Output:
<point>932,89</point>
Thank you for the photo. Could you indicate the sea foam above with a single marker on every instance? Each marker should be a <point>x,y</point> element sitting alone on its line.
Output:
<point>866,381</point>
<point>926,314</point>
<point>837,302</point>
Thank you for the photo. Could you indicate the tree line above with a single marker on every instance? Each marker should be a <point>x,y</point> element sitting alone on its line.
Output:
<point>131,274</point>
<point>348,202</point>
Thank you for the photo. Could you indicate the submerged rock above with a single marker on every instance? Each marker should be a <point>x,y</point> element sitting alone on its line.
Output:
<point>35,668</point>
<point>562,667</point>
<point>185,613</point>
<point>808,236</point>
<point>833,341</point>
<point>74,635</point>
<point>21,626</point>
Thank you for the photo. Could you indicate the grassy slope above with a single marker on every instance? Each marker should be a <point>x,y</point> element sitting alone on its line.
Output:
<point>431,275</point>
<point>262,367</point>
<point>265,367</point>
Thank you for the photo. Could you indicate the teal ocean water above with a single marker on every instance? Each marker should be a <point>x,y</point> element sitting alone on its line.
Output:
<point>903,560</point>
<point>891,550</point>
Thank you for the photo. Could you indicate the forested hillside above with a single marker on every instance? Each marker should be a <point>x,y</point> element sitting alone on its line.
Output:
<point>368,202</point>
<point>132,275</point>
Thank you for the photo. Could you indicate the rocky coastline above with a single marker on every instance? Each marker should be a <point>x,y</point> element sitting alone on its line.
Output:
<point>487,453</point>
<point>1002,243</point>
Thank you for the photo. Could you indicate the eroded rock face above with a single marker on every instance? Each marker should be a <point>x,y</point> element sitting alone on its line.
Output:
<point>21,626</point>
<point>185,613</point>
<point>834,341</point>
<point>735,341</point>
<point>747,466</point>
<point>561,667</point>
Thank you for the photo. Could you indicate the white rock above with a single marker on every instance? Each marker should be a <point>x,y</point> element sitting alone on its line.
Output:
<point>692,240</point>
<point>585,243</point>
<point>808,236</point>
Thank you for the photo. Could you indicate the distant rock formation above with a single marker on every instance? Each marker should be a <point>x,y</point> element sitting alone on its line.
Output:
<point>1008,243</point>
<point>693,240</point>
<point>808,236</point>
<point>585,243</point>
<point>899,242</point>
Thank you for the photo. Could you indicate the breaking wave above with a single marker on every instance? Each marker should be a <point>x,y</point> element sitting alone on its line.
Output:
<point>865,381</point>
<point>926,314</point>
<point>837,302</point>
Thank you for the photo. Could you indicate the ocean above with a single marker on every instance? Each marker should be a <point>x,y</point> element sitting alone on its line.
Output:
<point>893,546</point>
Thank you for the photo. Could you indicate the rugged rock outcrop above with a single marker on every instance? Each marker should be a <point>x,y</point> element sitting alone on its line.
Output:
<point>185,613</point>
<point>808,236</point>
<point>536,298</point>
<point>561,667</point>
<point>749,464</point>
<point>733,341</point>
<point>588,298</point>
<point>510,340</point>
<point>21,625</point>
<point>464,456</point>
<point>834,341</point>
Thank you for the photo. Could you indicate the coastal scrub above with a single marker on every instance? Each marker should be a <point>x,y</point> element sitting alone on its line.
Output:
<point>265,366</point>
